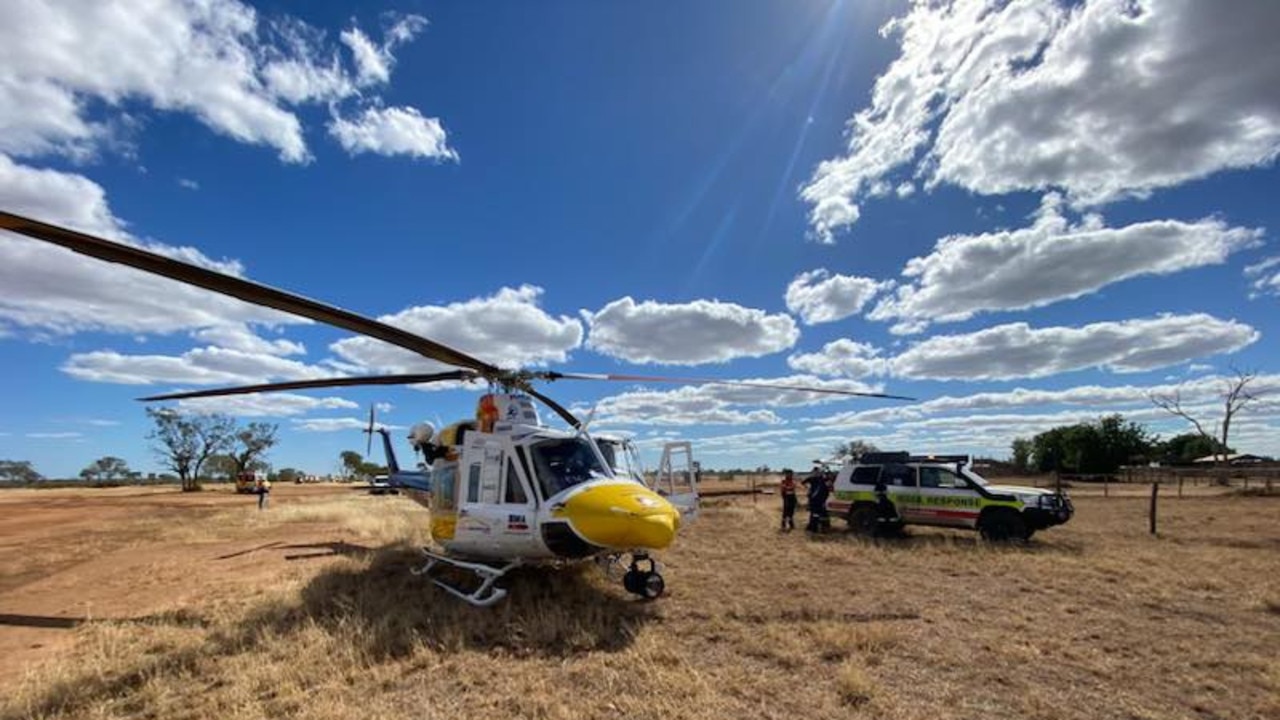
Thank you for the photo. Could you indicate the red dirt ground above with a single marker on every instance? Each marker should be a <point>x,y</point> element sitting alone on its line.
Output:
<point>69,556</point>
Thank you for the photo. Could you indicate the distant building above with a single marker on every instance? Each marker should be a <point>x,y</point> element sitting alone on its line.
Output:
<point>1232,459</point>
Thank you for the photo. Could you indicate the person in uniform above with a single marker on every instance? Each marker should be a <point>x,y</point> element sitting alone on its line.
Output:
<point>788,491</point>
<point>816,483</point>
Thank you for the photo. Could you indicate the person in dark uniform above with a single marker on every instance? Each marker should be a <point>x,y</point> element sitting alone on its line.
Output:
<point>788,491</point>
<point>816,483</point>
<point>885,509</point>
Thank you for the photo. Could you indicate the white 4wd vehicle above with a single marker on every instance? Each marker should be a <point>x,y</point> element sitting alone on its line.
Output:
<point>888,490</point>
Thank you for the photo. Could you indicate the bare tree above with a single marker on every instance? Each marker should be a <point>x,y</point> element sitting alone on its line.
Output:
<point>185,442</point>
<point>1235,396</point>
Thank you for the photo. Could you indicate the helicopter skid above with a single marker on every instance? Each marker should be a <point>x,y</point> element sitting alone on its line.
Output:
<point>486,595</point>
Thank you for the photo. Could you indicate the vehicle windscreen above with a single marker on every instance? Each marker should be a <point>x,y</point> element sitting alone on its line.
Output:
<point>973,476</point>
<point>561,464</point>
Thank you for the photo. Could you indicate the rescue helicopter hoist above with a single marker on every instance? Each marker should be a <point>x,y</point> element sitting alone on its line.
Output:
<point>504,489</point>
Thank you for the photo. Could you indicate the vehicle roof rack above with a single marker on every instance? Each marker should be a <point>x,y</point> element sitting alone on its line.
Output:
<point>902,456</point>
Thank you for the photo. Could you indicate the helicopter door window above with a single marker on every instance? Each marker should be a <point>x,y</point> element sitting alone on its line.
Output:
<point>514,493</point>
<point>473,483</point>
<point>446,481</point>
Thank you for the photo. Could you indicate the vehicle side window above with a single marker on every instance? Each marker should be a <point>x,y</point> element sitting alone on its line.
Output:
<point>929,477</point>
<point>473,483</point>
<point>865,475</point>
<point>942,478</point>
<point>899,475</point>
<point>514,493</point>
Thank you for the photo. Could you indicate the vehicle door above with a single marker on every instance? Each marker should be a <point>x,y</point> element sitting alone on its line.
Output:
<point>946,498</point>
<point>900,485</point>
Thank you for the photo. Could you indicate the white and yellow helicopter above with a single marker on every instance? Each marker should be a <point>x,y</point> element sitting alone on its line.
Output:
<point>504,489</point>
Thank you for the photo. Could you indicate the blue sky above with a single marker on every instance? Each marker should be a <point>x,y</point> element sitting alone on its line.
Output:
<point>1023,215</point>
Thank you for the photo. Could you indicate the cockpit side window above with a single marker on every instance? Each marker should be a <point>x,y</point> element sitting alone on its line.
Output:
<point>561,464</point>
<point>514,494</point>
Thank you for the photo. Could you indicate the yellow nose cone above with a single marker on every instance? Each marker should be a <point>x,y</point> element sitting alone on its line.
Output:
<point>623,516</point>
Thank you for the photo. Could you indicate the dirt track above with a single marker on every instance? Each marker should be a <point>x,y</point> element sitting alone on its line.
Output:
<point>78,555</point>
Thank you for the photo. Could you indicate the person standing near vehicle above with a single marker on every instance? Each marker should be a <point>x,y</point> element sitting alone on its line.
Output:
<point>788,491</point>
<point>264,490</point>
<point>816,483</point>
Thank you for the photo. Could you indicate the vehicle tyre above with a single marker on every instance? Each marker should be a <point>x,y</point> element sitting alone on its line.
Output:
<point>863,520</point>
<point>1003,526</point>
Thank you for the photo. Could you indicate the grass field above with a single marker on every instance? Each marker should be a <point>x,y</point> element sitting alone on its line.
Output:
<point>150,604</point>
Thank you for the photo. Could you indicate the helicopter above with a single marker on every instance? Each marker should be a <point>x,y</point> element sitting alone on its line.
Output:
<point>504,489</point>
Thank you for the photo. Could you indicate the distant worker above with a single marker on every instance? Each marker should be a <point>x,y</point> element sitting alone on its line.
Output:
<point>886,512</point>
<point>818,490</point>
<point>263,488</point>
<point>788,491</point>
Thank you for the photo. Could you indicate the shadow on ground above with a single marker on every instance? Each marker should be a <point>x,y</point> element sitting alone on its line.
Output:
<point>374,604</point>
<point>389,611</point>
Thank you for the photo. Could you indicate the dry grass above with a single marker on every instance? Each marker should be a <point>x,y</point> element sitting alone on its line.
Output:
<point>1093,620</point>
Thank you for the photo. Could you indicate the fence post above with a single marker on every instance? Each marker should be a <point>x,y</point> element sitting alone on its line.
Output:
<point>754,499</point>
<point>1155,492</point>
<point>1106,486</point>
<point>1179,486</point>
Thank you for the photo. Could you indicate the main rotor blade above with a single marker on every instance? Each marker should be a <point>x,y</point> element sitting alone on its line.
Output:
<point>557,407</point>
<point>324,383</point>
<point>248,291</point>
<point>553,375</point>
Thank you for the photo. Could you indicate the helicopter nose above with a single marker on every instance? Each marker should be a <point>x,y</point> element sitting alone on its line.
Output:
<point>624,516</point>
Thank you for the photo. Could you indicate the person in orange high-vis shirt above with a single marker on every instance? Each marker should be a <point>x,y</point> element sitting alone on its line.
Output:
<point>788,491</point>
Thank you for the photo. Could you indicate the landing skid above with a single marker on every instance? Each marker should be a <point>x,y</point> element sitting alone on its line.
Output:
<point>484,596</point>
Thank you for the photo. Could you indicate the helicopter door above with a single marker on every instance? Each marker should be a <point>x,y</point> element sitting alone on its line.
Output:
<point>677,478</point>
<point>482,515</point>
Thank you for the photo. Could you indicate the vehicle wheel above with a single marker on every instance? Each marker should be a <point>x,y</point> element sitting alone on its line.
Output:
<point>633,581</point>
<point>1003,526</point>
<point>863,520</point>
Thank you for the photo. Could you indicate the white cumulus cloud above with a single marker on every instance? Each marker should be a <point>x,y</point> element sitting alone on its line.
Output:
<point>1016,350</point>
<point>69,65</point>
<point>693,333</point>
<point>843,357</point>
<point>1050,261</point>
<point>392,131</point>
<point>1102,99</point>
<point>265,405</point>
<point>818,296</point>
<point>507,329</point>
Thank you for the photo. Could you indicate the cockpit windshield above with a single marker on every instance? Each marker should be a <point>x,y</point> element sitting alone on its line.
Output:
<point>561,464</point>
<point>622,457</point>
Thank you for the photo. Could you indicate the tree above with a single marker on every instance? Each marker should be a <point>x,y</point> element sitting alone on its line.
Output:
<point>853,449</point>
<point>1022,449</point>
<point>351,462</point>
<point>1187,447</point>
<point>221,466</point>
<point>251,443</point>
<point>288,475</point>
<point>1092,447</point>
<point>106,469</point>
<point>1235,394</point>
<point>18,471</point>
<point>183,443</point>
